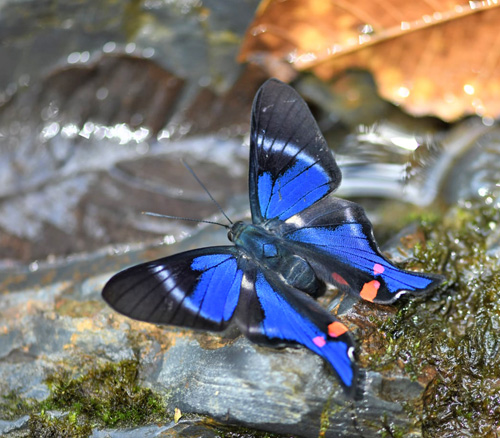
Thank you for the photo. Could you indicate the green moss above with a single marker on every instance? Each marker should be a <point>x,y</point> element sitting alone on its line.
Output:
<point>12,406</point>
<point>109,396</point>
<point>330,408</point>
<point>106,396</point>
<point>325,418</point>
<point>450,339</point>
<point>391,430</point>
<point>242,432</point>
<point>46,426</point>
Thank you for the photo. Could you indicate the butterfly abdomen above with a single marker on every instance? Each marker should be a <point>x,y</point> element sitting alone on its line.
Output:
<point>297,272</point>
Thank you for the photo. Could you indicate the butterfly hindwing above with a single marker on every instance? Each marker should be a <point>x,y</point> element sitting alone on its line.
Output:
<point>276,314</point>
<point>337,239</point>
<point>291,166</point>
<point>196,289</point>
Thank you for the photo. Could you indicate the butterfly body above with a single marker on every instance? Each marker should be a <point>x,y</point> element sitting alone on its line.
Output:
<point>300,239</point>
<point>271,253</point>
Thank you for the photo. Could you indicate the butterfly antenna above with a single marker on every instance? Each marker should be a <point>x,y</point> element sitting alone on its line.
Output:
<point>148,213</point>
<point>206,190</point>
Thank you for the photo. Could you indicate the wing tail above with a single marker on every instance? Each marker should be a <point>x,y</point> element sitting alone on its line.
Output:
<point>278,315</point>
<point>337,238</point>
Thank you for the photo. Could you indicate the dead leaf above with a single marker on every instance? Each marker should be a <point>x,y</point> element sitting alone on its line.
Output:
<point>430,56</point>
<point>177,415</point>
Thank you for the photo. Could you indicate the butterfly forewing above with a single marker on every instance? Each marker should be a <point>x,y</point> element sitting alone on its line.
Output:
<point>291,166</point>
<point>196,289</point>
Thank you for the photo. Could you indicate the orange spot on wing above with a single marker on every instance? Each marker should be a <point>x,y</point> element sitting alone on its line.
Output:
<point>378,268</point>
<point>319,341</point>
<point>336,329</point>
<point>369,291</point>
<point>339,279</point>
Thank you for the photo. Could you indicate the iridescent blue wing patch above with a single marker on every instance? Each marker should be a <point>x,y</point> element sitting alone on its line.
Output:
<point>337,239</point>
<point>291,166</point>
<point>197,289</point>
<point>275,314</point>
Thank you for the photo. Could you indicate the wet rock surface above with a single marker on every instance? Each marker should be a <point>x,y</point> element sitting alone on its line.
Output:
<point>65,327</point>
<point>61,324</point>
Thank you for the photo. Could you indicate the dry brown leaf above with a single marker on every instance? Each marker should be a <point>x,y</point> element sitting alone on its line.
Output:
<point>430,56</point>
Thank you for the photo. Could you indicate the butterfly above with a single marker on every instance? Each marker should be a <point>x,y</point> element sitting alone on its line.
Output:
<point>301,238</point>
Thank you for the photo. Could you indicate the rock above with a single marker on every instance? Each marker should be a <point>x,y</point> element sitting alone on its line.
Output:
<point>14,427</point>
<point>65,327</point>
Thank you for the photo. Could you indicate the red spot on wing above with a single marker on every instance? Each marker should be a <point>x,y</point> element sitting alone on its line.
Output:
<point>339,279</point>
<point>319,341</point>
<point>336,329</point>
<point>378,268</point>
<point>369,291</point>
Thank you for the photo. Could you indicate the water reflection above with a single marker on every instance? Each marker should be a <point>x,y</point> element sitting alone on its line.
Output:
<point>454,167</point>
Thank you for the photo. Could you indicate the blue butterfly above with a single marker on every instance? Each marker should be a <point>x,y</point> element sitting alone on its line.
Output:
<point>300,239</point>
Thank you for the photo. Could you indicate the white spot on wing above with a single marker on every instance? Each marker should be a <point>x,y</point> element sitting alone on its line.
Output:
<point>350,353</point>
<point>245,283</point>
<point>296,220</point>
<point>168,280</point>
<point>289,149</point>
<point>399,294</point>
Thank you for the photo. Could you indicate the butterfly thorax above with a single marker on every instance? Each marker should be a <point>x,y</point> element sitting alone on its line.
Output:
<point>269,251</point>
